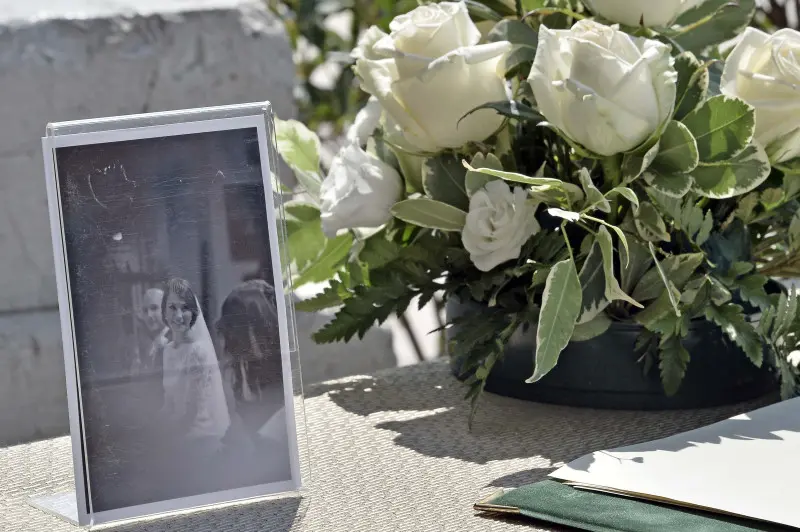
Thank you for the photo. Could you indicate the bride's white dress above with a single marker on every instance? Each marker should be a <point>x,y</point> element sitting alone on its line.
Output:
<point>193,389</point>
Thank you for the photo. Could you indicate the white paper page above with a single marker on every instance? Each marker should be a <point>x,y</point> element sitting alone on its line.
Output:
<point>747,465</point>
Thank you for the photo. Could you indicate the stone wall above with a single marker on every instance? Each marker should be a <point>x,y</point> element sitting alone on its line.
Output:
<point>74,59</point>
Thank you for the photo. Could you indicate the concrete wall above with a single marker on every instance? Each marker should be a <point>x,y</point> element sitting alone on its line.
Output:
<point>75,59</point>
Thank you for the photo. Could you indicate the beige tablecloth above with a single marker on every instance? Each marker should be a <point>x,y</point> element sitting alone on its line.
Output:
<point>389,452</point>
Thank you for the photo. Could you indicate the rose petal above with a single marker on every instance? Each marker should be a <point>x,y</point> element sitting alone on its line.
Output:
<point>738,59</point>
<point>429,97</point>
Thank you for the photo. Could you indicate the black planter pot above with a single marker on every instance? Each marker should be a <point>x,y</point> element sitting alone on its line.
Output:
<point>604,372</point>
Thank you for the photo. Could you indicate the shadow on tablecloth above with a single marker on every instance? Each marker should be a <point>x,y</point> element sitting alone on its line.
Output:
<point>424,406</point>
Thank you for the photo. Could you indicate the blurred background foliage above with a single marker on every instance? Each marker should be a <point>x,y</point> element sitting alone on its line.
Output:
<point>776,14</point>
<point>323,33</point>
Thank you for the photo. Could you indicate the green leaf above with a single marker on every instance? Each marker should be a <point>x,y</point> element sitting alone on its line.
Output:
<point>515,32</point>
<point>593,285</point>
<point>693,81</point>
<point>328,262</point>
<point>300,147</point>
<point>659,316</point>
<point>540,277</point>
<point>752,290</point>
<point>301,212</point>
<point>594,198</point>
<point>565,194</point>
<point>747,205</point>
<point>766,321</point>
<point>791,186</point>
<point>672,291</point>
<point>509,108</point>
<point>731,320</point>
<point>476,180</point>
<point>305,243</point>
<point>502,7</point>
<point>726,20</point>
<point>518,59</point>
<point>561,306</point>
<point>411,169</point>
<point>650,225</point>
<point>443,178</point>
<point>673,361</point>
<point>479,12</point>
<point>518,178</point>
<point>771,198</point>
<point>715,78</point>
<point>637,267</point>
<point>674,186</point>
<point>330,297</point>
<point>530,5</point>
<point>678,269</point>
<point>635,163</point>
<point>786,313</point>
<point>613,291</point>
<point>704,232</point>
<point>678,152</point>
<point>735,177</point>
<point>628,194</point>
<point>620,234</point>
<point>430,213</point>
<point>378,251</point>
<point>719,294</point>
<point>390,291</point>
<point>794,232</point>
<point>722,127</point>
<point>738,269</point>
<point>587,331</point>
<point>789,168</point>
<point>788,375</point>
<point>686,215</point>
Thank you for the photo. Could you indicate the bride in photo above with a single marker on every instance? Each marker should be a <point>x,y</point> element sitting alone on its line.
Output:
<point>194,417</point>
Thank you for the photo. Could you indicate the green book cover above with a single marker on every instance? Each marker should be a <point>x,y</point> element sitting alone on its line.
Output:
<point>558,503</point>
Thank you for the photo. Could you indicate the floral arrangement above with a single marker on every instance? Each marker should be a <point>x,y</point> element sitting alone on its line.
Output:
<point>565,164</point>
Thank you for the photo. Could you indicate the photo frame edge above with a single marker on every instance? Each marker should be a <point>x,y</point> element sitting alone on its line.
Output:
<point>77,441</point>
<point>262,122</point>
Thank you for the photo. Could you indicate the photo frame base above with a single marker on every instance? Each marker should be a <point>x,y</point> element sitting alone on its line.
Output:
<point>61,505</point>
<point>65,507</point>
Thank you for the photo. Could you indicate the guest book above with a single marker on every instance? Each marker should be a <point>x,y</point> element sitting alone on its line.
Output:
<point>745,466</point>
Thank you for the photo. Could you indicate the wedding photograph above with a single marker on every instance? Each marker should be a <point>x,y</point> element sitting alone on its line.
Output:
<point>181,371</point>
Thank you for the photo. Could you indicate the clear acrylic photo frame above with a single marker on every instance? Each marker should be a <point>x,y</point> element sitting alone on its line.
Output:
<point>76,507</point>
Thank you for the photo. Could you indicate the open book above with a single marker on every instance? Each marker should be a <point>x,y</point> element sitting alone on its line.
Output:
<point>745,466</point>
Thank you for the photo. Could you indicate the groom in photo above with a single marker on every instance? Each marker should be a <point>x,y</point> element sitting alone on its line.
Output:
<point>147,355</point>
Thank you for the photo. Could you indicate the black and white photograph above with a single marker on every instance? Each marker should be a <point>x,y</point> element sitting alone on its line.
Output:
<point>180,347</point>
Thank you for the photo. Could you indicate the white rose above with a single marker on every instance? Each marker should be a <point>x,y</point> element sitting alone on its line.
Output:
<point>430,72</point>
<point>601,87</point>
<point>641,12</point>
<point>764,70</point>
<point>365,123</point>
<point>499,222</point>
<point>359,191</point>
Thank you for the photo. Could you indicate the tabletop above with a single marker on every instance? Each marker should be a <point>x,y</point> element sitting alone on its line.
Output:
<point>389,452</point>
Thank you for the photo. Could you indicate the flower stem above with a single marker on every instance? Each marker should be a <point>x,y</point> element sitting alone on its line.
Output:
<point>566,240</point>
<point>612,173</point>
<point>612,170</point>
